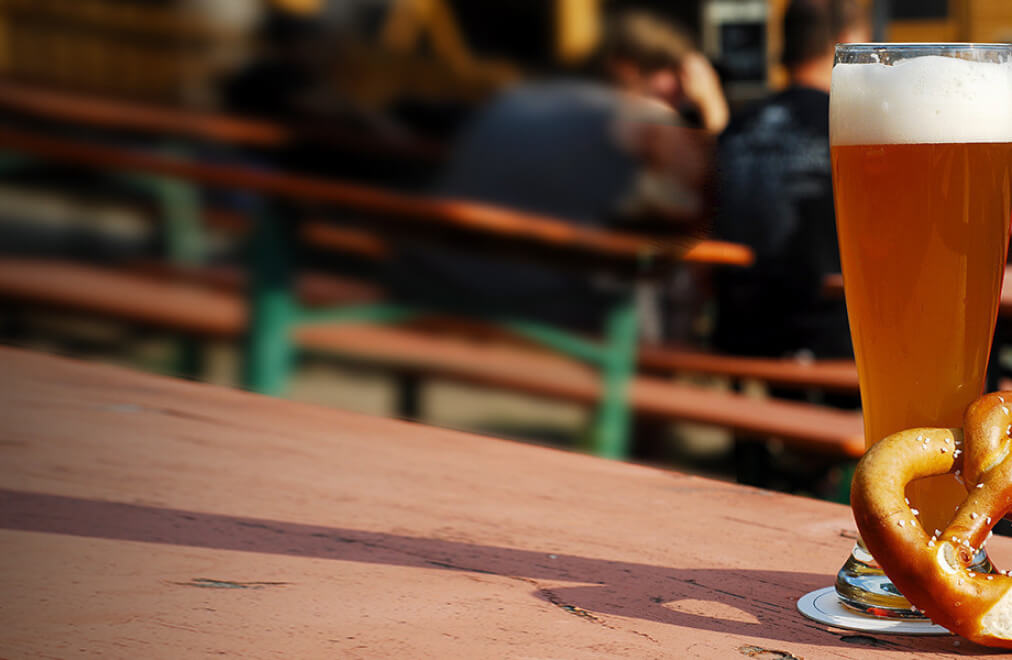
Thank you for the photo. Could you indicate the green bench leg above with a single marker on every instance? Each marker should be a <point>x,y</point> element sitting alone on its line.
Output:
<point>409,396</point>
<point>268,351</point>
<point>611,429</point>
<point>842,494</point>
<point>183,236</point>
<point>188,358</point>
<point>183,228</point>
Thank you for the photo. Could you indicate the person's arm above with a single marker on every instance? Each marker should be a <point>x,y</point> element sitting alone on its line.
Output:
<point>701,87</point>
<point>669,192</point>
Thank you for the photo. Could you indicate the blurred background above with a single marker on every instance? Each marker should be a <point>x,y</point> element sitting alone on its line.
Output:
<point>413,59</point>
<point>171,169</point>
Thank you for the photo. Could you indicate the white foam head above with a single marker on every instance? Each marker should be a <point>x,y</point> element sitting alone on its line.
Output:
<point>928,99</point>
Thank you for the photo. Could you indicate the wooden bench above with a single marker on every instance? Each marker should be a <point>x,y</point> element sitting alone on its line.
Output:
<point>828,375</point>
<point>68,107</point>
<point>191,308</point>
<point>274,311</point>
<point>381,209</point>
<point>317,289</point>
<point>545,374</point>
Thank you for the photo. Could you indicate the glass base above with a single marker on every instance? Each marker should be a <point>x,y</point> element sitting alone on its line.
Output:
<point>862,586</point>
<point>824,606</point>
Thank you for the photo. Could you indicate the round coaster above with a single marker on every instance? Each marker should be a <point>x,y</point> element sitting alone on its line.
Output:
<point>823,606</point>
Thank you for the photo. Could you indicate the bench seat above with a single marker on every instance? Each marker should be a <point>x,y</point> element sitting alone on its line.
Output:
<point>189,307</point>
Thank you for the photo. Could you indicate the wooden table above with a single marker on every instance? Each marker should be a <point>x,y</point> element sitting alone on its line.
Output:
<point>147,517</point>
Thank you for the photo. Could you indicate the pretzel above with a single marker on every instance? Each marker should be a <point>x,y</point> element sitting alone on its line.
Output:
<point>933,570</point>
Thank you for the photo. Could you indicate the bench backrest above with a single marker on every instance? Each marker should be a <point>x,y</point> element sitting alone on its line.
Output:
<point>495,226</point>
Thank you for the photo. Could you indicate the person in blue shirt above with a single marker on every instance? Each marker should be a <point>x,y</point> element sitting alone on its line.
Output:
<point>588,151</point>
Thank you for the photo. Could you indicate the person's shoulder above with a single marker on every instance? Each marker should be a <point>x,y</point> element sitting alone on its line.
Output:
<point>806,102</point>
<point>751,116</point>
<point>564,90</point>
<point>541,101</point>
<point>784,111</point>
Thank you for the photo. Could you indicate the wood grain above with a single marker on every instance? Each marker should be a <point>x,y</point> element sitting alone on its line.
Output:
<point>146,517</point>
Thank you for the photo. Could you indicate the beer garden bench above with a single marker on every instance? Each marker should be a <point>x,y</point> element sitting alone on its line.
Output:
<point>197,310</point>
<point>101,113</point>
<point>273,313</point>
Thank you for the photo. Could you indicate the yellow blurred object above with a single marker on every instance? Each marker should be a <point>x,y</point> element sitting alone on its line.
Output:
<point>420,51</point>
<point>169,52</point>
<point>990,21</point>
<point>982,21</point>
<point>410,22</point>
<point>578,29</point>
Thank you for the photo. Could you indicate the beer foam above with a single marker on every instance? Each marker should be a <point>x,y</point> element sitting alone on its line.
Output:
<point>928,99</point>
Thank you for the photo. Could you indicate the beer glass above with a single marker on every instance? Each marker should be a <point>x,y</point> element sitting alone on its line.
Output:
<point>920,141</point>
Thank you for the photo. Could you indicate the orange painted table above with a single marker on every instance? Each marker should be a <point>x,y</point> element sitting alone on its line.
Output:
<point>142,517</point>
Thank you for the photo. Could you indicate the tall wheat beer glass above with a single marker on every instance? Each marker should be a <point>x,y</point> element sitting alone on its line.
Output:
<point>921,143</point>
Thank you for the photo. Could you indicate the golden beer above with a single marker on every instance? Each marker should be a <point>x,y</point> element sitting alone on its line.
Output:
<point>923,232</point>
<point>920,140</point>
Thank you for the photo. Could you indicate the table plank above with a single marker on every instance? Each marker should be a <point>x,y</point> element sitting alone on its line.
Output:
<point>146,517</point>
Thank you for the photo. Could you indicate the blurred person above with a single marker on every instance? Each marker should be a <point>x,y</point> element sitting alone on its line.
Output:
<point>292,77</point>
<point>647,56</point>
<point>633,141</point>
<point>290,73</point>
<point>776,195</point>
<point>290,62</point>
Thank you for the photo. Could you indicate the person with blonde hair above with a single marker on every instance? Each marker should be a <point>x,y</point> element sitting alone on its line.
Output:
<point>643,54</point>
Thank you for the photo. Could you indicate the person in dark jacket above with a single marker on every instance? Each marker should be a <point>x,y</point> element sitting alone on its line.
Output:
<point>776,195</point>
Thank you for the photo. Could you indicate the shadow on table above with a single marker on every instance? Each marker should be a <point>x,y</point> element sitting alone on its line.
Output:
<point>654,593</point>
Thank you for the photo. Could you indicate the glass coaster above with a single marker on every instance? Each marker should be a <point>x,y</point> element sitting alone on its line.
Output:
<point>824,606</point>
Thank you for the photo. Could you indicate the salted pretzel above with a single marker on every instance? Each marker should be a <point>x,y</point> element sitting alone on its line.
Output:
<point>932,569</point>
